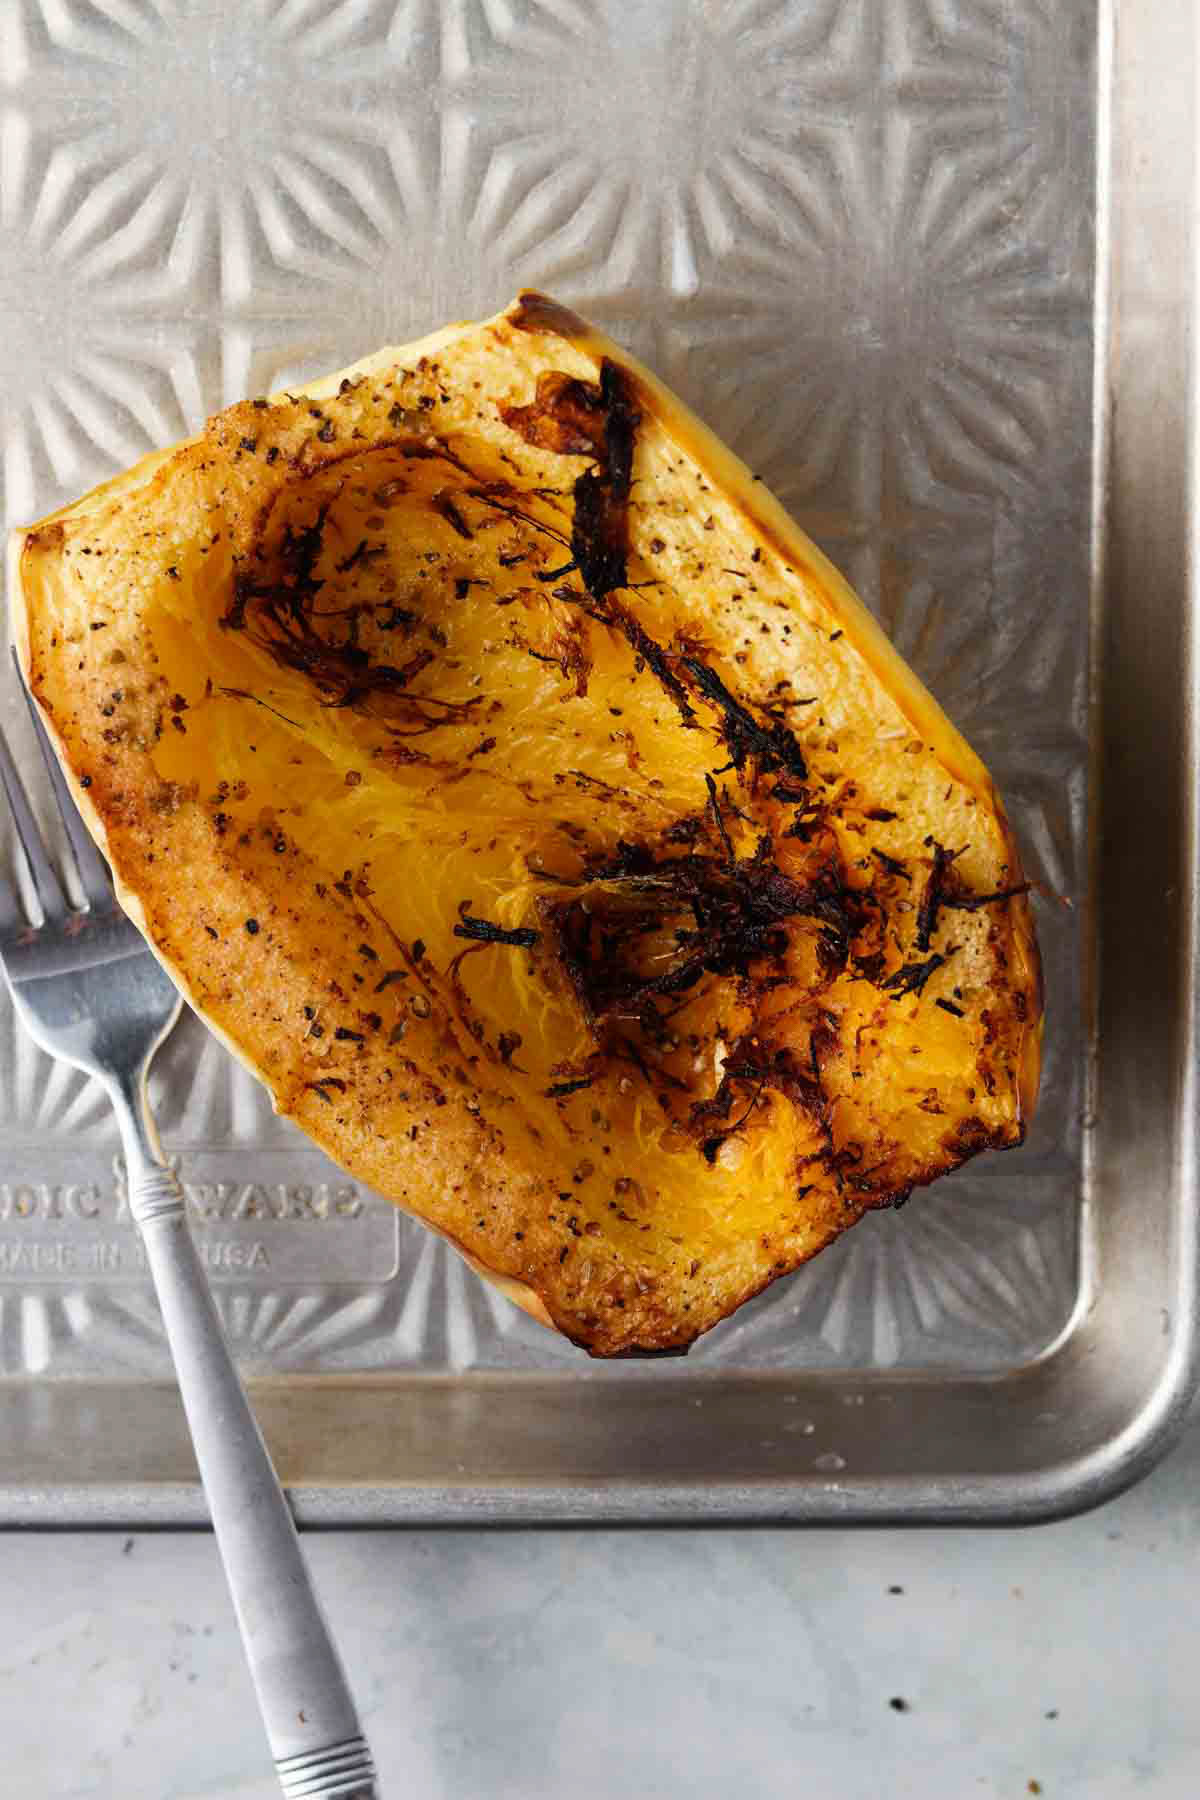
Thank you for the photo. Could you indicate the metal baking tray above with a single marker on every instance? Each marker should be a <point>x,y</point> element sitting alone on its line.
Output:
<point>929,265</point>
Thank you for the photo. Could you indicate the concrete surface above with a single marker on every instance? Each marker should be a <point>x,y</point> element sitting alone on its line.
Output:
<point>863,1665</point>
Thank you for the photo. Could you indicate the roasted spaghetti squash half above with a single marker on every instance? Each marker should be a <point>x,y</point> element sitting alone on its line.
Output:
<point>529,804</point>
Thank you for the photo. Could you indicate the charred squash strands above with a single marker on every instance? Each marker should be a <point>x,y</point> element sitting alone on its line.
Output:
<point>565,847</point>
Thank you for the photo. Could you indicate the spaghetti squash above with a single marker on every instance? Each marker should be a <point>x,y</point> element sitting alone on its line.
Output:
<point>522,796</point>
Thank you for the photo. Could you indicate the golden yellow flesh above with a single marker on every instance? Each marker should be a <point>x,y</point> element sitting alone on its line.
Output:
<point>338,661</point>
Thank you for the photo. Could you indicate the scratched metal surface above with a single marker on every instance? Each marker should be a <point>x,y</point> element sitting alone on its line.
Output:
<point>859,236</point>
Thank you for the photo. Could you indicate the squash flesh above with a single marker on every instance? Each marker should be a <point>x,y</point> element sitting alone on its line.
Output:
<point>637,1147</point>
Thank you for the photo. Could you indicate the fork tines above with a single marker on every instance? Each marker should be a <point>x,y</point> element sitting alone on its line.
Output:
<point>92,870</point>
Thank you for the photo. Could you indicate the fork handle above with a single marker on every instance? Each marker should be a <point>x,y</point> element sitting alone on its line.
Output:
<point>311,1722</point>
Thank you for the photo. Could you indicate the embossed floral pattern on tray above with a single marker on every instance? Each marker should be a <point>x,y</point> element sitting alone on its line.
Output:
<point>856,234</point>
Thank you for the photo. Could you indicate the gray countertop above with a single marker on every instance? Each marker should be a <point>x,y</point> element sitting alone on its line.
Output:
<point>517,1665</point>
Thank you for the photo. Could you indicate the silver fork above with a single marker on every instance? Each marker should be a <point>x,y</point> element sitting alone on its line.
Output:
<point>89,991</point>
